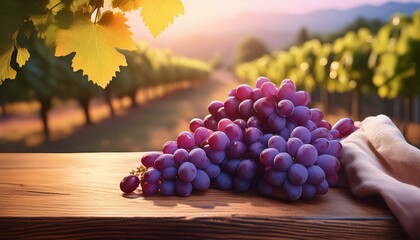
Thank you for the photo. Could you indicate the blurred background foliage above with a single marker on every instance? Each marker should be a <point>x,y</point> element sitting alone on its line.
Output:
<point>365,68</point>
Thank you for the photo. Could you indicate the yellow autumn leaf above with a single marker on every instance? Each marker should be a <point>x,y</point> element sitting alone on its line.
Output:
<point>22,56</point>
<point>95,46</point>
<point>157,15</point>
<point>126,5</point>
<point>6,71</point>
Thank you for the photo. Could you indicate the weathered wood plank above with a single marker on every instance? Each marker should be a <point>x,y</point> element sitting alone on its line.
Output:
<point>77,195</point>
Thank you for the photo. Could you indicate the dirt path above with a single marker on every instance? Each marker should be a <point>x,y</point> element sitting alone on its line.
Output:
<point>140,129</point>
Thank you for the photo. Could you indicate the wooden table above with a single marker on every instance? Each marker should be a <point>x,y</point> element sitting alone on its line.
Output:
<point>77,196</point>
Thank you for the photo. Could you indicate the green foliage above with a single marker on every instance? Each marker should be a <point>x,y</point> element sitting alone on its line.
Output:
<point>387,63</point>
<point>250,49</point>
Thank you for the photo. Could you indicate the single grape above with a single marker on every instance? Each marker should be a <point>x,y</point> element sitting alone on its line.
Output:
<point>301,98</point>
<point>218,141</point>
<point>275,122</point>
<point>215,157</point>
<point>316,115</point>
<point>255,149</point>
<point>335,148</point>
<point>252,135</point>
<point>169,147</point>
<point>264,139</point>
<point>322,145</point>
<point>236,149</point>
<point>322,188</point>
<point>324,124</point>
<point>149,189</point>
<point>164,161</point>
<point>210,122</point>
<point>307,155</point>
<point>223,181</point>
<point>286,91</point>
<point>247,169</point>
<point>334,133</point>
<point>282,161</point>
<point>199,158</point>
<point>148,159</point>
<point>277,142</point>
<point>186,140</point>
<point>232,166</point>
<point>182,188</point>
<point>328,163</point>
<point>345,126</point>
<point>243,92</point>
<point>246,108</point>
<point>256,94</point>
<point>152,175</point>
<point>310,125</point>
<point>275,177</point>
<point>285,108</point>
<point>214,106</point>
<point>260,81</point>
<point>201,134</point>
<point>241,123</point>
<point>308,191</point>
<point>241,185</point>
<point>293,192</point>
<point>196,123</point>
<point>213,170</point>
<point>302,133</point>
<point>257,122</point>
<point>297,174</point>
<point>231,105</point>
<point>129,183</point>
<point>267,156</point>
<point>285,133</point>
<point>293,145</point>
<point>221,113</point>
<point>223,123</point>
<point>319,133</point>
<point>300,114</point>
<point>187,172</point>
<point>202,181</point>
<point>268,90</point>
<point>169,173</point>
<point>180,156</point>
<point>234,132</point>
<point>315,175</point>
<point>167,188</point>
<point>232,92</point>
<point>264,107</point>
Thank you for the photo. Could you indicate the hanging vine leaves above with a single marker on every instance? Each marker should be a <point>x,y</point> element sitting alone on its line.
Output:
<point>67,25</point>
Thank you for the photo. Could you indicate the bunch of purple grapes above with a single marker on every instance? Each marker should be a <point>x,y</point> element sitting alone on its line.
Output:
<point>264,138</point>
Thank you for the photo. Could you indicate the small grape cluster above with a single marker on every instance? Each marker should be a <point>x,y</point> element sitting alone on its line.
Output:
<point>264,138</point>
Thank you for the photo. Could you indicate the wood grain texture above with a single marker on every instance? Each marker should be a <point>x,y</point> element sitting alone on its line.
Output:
<point>77,196</point>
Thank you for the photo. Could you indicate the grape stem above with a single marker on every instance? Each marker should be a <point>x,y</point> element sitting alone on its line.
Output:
<point>138,171</point>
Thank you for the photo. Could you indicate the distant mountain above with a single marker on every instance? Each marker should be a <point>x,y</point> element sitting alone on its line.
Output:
<point>276,30</point>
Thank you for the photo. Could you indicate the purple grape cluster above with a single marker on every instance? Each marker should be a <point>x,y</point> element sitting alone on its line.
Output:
<point>264,138</point>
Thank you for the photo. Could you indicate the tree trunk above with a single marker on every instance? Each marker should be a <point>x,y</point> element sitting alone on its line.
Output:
<point>3,110</point>
<point>45,108</point>
<point>355,104</point>
<point>84,103</point>
<point>132,96</point>
<point>108,100</point>
<point>324,99</point>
